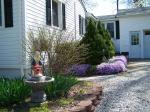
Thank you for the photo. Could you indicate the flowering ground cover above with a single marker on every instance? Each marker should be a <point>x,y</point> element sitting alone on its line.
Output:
<point>115,65</point>
<point>80,69</point>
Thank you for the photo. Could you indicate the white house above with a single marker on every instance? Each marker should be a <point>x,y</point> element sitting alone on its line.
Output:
<point>130,30</point>
<point>18,16</point>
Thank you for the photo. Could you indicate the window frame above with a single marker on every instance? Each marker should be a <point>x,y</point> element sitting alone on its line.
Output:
<point>135,41</point>
<point>60,17</point>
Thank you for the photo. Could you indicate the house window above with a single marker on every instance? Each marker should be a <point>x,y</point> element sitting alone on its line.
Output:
<point>54,10</point>
<point>8,11</point>
<point>110,28</point>
<point>55,13</point>
<point>81,25</point>
<point>0,14</point>
<point>135,38</point>
<point>48,12</point>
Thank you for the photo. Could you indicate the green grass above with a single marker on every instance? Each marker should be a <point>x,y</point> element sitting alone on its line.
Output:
<point>43,108</point>
<point>4,110</point>
<point>64,101</point>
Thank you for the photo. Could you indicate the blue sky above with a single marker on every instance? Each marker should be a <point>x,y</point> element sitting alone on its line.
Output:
<point>105,7</point>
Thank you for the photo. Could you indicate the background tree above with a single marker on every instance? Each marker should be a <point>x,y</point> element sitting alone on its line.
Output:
<point>89,4</point>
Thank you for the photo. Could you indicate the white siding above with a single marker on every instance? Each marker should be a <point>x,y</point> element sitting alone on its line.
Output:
<point>35,14</point>
<point>133,23</point>
<point>10,40</point>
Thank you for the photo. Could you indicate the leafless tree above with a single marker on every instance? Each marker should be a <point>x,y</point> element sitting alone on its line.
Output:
<point>89,4</point>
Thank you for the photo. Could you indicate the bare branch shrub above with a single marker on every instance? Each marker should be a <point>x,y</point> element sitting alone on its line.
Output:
<point>60,48</point>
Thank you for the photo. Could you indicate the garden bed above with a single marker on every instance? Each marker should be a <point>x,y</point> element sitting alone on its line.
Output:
<point>84,96</point>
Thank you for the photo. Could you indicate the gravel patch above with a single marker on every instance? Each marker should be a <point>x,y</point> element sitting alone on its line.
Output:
<point>128,92</point>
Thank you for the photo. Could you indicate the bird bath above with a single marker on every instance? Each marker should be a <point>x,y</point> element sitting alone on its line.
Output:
<point>37,84</point>
<point>38,81</point>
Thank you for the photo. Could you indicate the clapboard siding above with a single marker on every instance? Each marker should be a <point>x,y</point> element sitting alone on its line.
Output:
<point>35,15</point>
<point>10,40</point>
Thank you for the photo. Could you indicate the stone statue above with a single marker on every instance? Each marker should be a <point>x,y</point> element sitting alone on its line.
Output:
<point>37,65</point>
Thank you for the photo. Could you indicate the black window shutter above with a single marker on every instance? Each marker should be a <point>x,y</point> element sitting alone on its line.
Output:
<point>0,15</point>
<point>117,30</point>
<point>64,15</point>
<point>80,23</point>
<point>48,12</point>
<point>8,10</point>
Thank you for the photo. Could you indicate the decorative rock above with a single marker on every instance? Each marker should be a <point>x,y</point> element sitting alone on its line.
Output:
<point>92,109</point>
<point>92,98</point>
<point>87,104</point>
<point>78,109</point>
<point>96,102</point>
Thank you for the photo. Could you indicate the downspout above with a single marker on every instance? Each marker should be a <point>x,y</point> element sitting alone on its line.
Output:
<point>75,20</point>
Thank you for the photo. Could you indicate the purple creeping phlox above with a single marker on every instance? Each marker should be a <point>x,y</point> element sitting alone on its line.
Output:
<point>80,69</point>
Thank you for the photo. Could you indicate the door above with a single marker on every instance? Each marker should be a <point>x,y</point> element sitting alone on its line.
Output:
<point>135,47</point>
<point>146,44</point>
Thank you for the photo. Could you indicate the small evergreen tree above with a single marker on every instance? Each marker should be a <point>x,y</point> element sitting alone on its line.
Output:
<point>108,46</point>
<point>95,43</point>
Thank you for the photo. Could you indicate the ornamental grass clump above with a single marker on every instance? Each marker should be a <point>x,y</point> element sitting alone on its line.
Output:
<point>80,69</point>
<point>60,86</point>
<point>13,91</point>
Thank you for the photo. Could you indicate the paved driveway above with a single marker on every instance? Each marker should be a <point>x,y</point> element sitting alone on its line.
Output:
<point>127,92</point>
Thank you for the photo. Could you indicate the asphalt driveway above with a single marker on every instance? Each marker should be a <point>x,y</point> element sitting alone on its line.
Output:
<point>127,92</point>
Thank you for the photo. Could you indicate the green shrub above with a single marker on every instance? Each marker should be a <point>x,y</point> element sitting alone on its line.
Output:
<point>99,42</point>
<point>108,46</point>
<point>13,91</point>
<point>69,53</point>
<point>95,43</point>
<point>60,86</point>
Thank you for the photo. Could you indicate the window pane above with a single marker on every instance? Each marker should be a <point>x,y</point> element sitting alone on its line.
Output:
<point>0,14</point>
<point>135,39</point>
<point>55,13</point>
<point>110,28</point>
